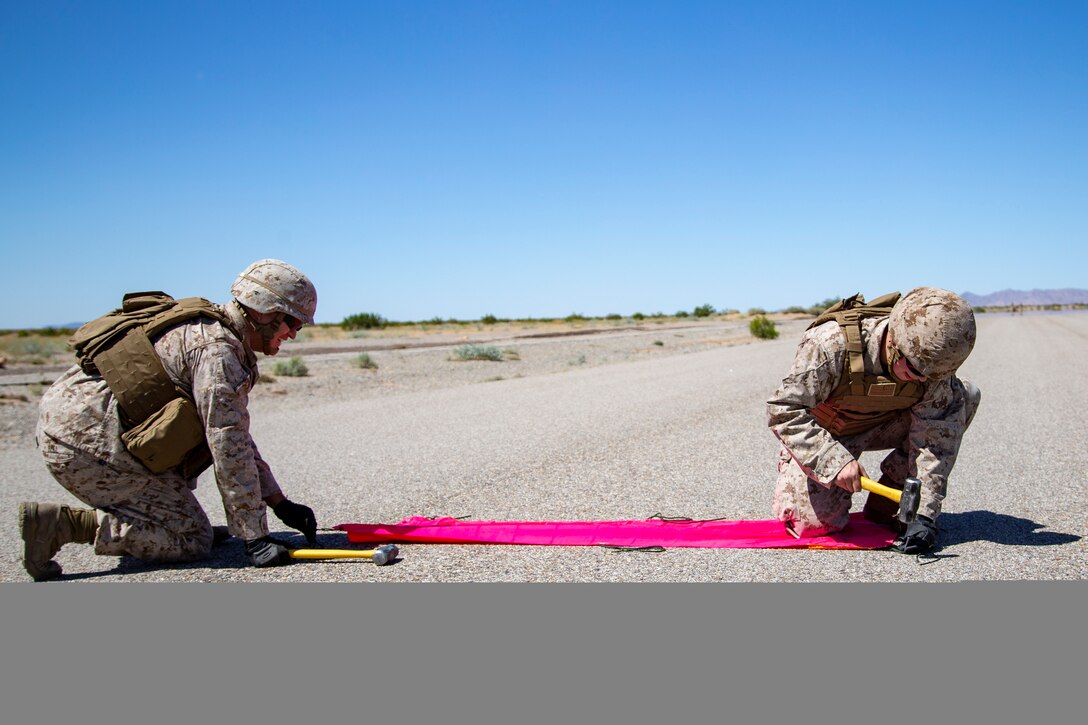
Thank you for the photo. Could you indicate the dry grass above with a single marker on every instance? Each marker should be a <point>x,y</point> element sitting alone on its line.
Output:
<point>29,348</point>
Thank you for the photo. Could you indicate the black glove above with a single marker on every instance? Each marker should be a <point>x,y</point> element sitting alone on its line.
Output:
<point>266,551</point>
<point>298,517</point>
<point>920,536</point>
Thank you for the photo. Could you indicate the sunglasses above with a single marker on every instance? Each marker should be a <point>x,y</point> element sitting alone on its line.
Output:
<point>293,322</point>
<point>897,354</point>
<point>911,366</point>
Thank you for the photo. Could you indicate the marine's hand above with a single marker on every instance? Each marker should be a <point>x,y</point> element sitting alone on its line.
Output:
<point>849,477</point>
<point>298,517</point>
<point>920,536</point>
<point>266,551</point>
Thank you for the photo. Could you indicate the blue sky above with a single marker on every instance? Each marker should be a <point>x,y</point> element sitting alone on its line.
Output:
<point>535,159</point>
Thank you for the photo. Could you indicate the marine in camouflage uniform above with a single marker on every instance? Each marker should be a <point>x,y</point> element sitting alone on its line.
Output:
<point>928,334</point>
<point>155,516</point>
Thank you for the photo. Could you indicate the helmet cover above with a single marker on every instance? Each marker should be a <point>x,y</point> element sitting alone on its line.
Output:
<point>934,329</point>
<point>270,285</point>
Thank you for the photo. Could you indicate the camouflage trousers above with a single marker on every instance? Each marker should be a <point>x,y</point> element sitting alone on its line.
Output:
<point>810,508</point>
<point>147,516</point>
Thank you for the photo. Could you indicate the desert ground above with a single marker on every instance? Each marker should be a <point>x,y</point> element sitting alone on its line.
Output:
<point>602,420</point>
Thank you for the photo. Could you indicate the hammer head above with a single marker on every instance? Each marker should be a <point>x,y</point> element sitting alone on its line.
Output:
<point>908,501</point>
<point>385,554</point>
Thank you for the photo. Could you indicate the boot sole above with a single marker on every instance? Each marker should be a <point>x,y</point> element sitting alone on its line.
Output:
<point>52,569</point>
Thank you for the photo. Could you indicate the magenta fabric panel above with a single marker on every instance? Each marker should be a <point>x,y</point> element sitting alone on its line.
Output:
<point>770,534</point>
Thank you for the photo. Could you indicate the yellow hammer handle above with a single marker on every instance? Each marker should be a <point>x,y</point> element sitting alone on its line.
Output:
<point>332,553</point>
<point>880,489</point>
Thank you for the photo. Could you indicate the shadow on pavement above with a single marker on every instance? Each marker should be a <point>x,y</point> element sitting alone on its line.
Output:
<point>961,528</point>
<point>228,555</point>
<point>225,557</point>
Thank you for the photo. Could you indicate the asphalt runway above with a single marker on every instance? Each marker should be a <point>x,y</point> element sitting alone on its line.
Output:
<point>678,436</point>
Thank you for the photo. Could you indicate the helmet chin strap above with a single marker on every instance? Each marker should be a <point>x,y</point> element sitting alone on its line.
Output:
<point>266,330</point>
<point>893,354</point>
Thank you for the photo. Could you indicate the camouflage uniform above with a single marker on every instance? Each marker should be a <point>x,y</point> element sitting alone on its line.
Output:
<point>156,516</point>
<point>924,438</point>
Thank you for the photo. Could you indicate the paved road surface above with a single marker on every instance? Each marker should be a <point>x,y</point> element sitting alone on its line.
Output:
<point>680,436</point>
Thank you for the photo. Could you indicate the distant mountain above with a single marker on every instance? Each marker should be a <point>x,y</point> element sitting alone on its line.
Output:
<point>1035,297</point>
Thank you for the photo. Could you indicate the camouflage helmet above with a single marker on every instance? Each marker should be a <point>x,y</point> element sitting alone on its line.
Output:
<point>269,285</point>
<point>934,329</point>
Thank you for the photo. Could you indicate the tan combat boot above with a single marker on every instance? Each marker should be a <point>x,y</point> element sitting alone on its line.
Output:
<point>219,535</point>
<point>48,526</point>
<point>883,511</point>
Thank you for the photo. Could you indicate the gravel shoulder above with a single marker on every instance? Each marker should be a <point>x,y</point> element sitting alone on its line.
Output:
<point>414,360</point>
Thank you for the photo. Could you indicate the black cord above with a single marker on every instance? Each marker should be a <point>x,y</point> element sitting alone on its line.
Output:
<point>682,518</point>
<point>924,558</point>
<point>627,549</point>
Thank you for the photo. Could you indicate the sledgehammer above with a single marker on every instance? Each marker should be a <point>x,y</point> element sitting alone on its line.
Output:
<point>380,556</point>
<point>908,499</point>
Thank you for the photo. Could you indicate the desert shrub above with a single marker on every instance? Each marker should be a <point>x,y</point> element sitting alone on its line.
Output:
<point>40,332</point>
<point>762,328</point>
<point>293,367</point>
<point>659,343</point>
<point>574,317</point>
<point>756,311</point>
<point>363,361</point>
<point>819,307</point>
<point>477,352</point>
<point>613,316</point>
<point>580,360</point>
<point>638,316</point>
<point>363,321</point>
<point>703,311</point>
<point>489,319</point>
<point>682,313</point>
<point>32,348</point>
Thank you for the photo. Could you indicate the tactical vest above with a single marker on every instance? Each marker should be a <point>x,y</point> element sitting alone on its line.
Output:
<point>163,429</point>
<point>861,401</point>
